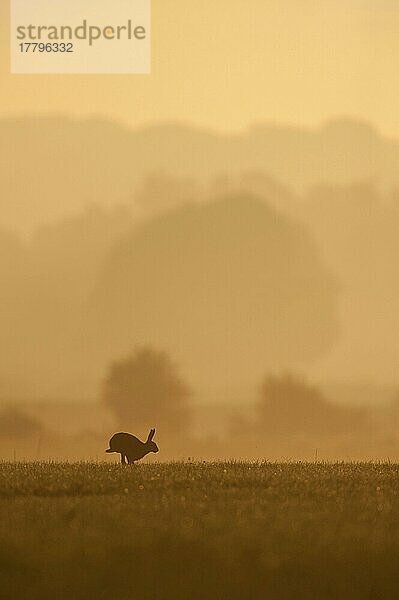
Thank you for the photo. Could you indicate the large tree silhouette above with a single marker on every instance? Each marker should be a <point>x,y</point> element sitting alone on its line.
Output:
<point>145,389</point>
<point>230,287</point>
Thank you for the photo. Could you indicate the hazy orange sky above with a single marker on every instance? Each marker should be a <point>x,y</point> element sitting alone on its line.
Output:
<point>230,63</point>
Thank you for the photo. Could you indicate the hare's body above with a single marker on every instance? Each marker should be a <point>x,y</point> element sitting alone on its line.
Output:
<point>130,447</point>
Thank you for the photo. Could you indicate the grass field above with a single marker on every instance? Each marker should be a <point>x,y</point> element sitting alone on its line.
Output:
<point>199,531</point>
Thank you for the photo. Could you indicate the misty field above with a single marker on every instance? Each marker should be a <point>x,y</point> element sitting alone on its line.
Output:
<point>199,530</point>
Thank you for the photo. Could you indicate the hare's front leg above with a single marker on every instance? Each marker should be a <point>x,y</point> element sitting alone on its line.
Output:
<point>123,459</point>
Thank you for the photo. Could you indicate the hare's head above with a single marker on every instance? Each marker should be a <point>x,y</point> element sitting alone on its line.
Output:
<point>152,447</point>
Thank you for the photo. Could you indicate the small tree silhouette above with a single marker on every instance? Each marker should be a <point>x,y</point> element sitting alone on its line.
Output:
<point>16,424</point>
<point>145,389</point>
<point>290,405</point>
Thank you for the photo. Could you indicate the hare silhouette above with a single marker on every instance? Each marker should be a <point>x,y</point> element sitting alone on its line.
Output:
<point>131,448</point>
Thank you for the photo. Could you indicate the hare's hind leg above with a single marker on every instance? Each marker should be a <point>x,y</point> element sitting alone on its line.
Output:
<point>123,459</point>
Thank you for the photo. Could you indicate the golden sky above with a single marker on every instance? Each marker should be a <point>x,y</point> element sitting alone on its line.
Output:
<point>229,63</point>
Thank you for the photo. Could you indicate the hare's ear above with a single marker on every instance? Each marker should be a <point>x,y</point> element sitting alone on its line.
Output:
<point>151,434</point>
